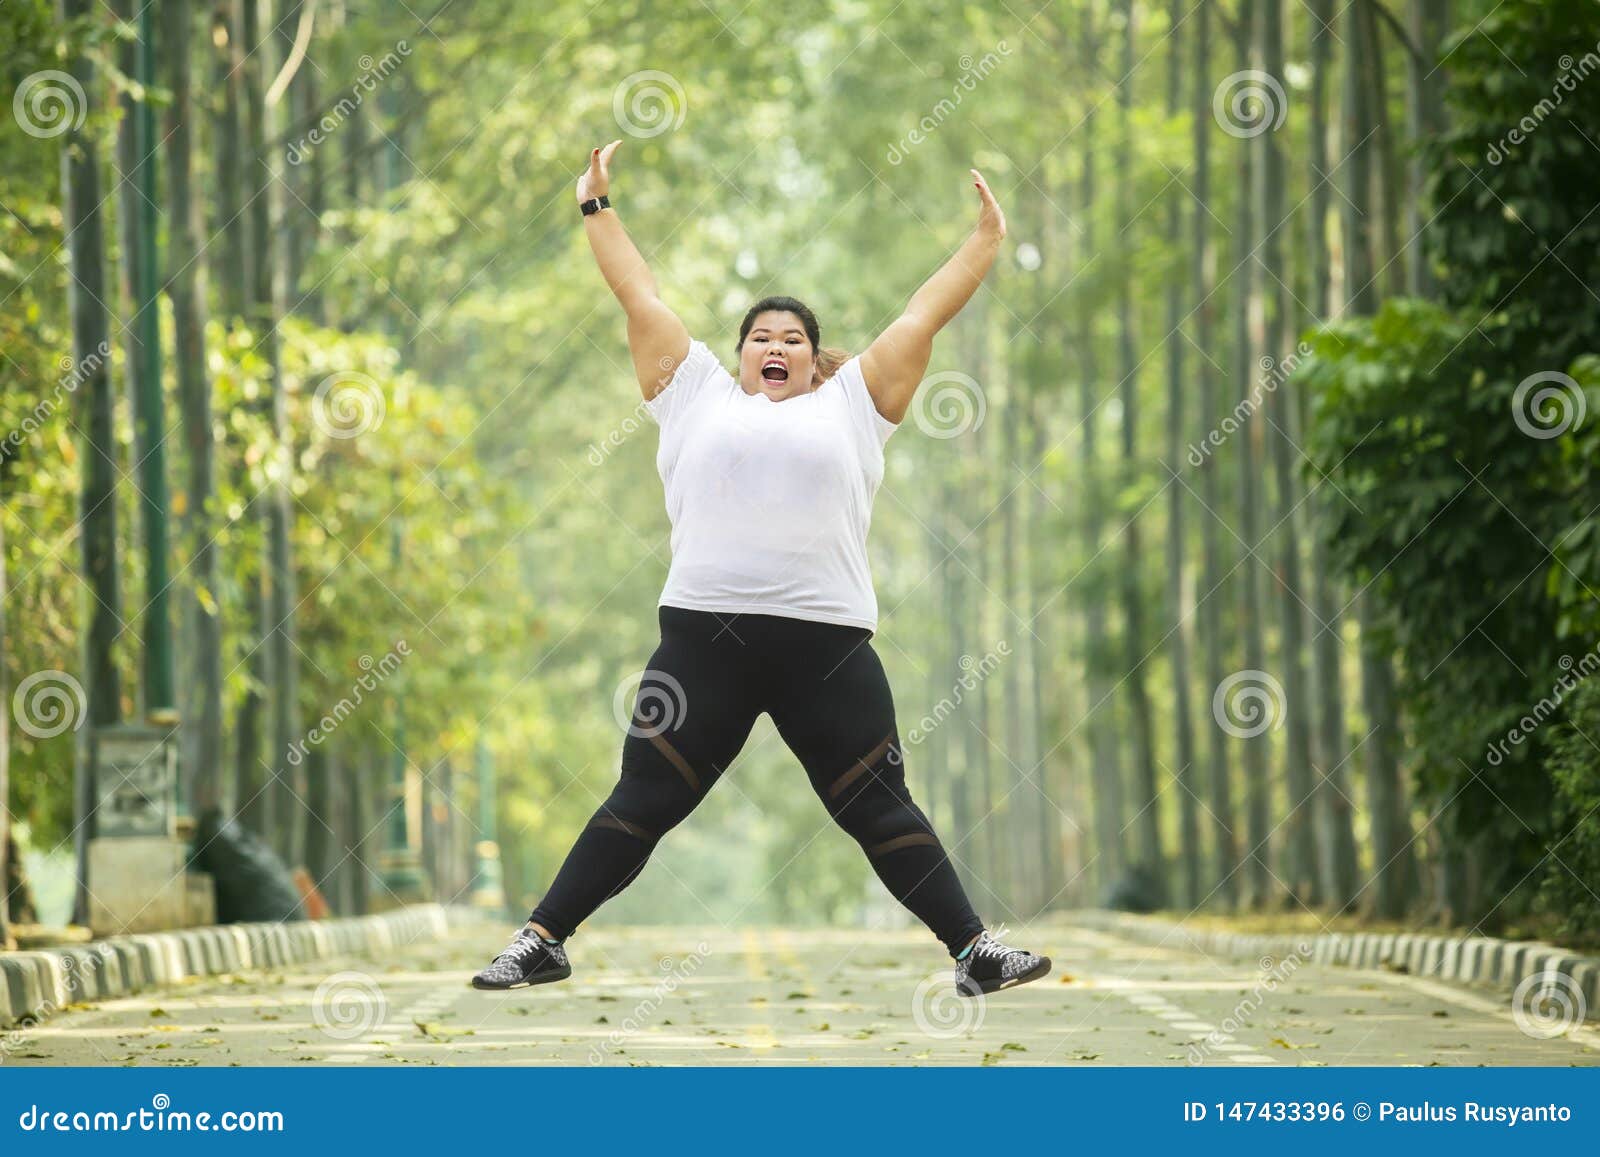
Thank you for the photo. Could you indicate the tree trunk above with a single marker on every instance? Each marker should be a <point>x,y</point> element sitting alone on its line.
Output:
<point>1394,865</point>
<point>1225,847</point>
<point>1391,839</point>
<point>229,251</point>
<point>361,788</point>
<point>1297,843</point>
<point>1247,338</point>
<point>1336,839</point>
<point>1183,723</point>
<point>237,163</point>
<point>1428,22</point>
<point>1146,792</point>
<point>1106,772</point>
<point>1022,799</point>
<point>286,825</point>
<point>97,505</point>
<point>186,289</point>
<point>1388,171</point>
<point>991,821</point>
<point>6,942</point>
<point>1040,674</point>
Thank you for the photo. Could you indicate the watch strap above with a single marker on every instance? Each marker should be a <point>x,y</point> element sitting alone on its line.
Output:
<point>594,205</point>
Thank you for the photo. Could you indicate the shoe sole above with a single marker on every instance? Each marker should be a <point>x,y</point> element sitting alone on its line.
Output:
<point>551,979</point>
<point>984,988</point>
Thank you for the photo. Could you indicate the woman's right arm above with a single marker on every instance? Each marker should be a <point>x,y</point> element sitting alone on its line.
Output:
<point>657,339</point>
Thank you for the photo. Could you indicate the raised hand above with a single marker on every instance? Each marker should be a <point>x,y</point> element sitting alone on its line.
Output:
<point>595,181</point>
<point>991,219</point>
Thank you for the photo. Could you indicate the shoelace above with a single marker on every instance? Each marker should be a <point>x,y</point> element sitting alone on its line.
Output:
<point>517,949</point>
<point>988,946</point>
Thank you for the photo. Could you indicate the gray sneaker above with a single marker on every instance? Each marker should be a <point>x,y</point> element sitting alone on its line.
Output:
<point>991,966</point>
<point>529,959</point>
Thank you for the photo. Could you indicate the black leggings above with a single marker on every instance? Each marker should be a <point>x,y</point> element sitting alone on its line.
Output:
<point>826,691</point>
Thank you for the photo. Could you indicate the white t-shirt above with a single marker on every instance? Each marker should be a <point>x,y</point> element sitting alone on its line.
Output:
<point>770,501</point>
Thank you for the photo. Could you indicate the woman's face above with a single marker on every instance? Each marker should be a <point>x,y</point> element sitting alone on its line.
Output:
<point>777,359</point>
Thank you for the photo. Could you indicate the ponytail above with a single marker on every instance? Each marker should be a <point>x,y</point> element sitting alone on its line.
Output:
<point>829,359</point>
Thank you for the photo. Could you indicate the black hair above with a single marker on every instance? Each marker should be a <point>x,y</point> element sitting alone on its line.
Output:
<point>828,360</point>
<point>781,305</point>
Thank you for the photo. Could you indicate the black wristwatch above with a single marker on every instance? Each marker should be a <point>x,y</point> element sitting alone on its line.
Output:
<point>594,205</point>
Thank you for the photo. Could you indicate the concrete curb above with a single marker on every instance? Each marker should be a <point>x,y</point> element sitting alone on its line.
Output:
<point>34,985</point>
<point>1477,959</point>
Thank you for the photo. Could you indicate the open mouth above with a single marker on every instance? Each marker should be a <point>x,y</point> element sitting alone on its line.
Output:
<point>774,373</point>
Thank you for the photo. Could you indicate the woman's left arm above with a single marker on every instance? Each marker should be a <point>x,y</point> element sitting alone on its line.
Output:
<point>894,363</point>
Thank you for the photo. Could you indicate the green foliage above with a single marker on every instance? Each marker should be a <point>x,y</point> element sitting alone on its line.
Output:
<point>1575,849</point>
<point>1515,232</point>
<point>1465,503</point>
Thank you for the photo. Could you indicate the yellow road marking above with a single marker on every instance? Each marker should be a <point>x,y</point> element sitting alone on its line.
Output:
<point>756,965</point>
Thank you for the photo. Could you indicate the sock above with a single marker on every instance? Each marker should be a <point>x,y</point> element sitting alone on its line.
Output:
<point>962,955</point>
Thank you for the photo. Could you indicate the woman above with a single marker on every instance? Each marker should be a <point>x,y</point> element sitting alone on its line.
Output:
<point>768,604</point>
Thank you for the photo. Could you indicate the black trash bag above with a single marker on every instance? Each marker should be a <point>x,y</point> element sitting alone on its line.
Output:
<point>251,882</point>
<point>1138,889</point>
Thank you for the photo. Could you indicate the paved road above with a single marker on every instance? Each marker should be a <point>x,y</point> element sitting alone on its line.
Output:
<point>793,996</point>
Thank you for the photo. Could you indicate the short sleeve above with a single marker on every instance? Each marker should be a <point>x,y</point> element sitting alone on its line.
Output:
<point>874,427</point>
<point>688,381</point>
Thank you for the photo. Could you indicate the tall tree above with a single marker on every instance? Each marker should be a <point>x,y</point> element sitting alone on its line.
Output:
<point>97,504</point>
<point>1177,383</point>
<point>255,789</point>
<point>1391,838</point>
<point>5,752</point>
<point>1334,812</point>
<point>1298,830</point>
<point>1246,336</point>
<point>1428,21</point>
<point>1147,793</point>
<point>1021,798</point>
<point>1224,842</point>
<point>186,288</point>
<point>1106,770</point>
<point>228,253</point>
<point>287,821</point>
